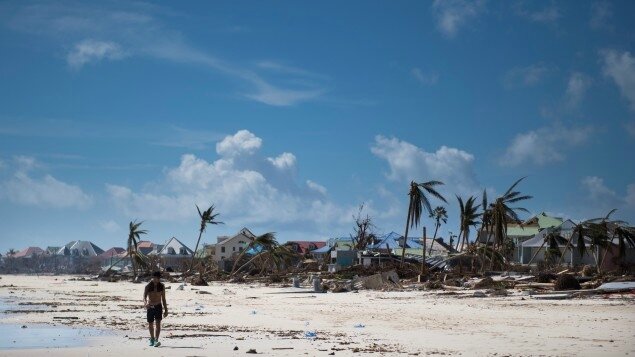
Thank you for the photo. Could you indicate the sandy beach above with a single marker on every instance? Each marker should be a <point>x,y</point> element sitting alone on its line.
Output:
<point>280,321</point>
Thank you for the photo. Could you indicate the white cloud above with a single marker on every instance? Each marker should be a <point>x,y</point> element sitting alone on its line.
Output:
<point>525,76</point>
<point>601,16</point>
<point>316,187</point>
<point>620,66</point>
<point>243,142</point>
<point>544,145</point>
<point>577,87</point>
<point>427,79</point>
<point>602,197</point>
<point>451,15</point>
<point>136,30</point>
<point>286,160</point>
<point>246,188</point>
<point>93,51</point>
<point>408,162</point>
<point>110,226</point>
<point>547,15</point>
<point>42,192</point>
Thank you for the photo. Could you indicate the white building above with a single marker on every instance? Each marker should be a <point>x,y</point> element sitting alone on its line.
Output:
<point>229,246</point>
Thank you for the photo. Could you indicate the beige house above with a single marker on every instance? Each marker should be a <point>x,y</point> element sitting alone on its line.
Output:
<point>228,247</point>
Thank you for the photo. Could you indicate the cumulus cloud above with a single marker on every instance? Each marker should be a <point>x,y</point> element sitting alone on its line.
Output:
<point>544,145</point>
<point>452,15</point>
<point>577,87</point>
<point>93,51</point>
<point>620,67</point>
<point>243,142</point>
<point>603,197</point>
<point>286,160</point>
<point>316,187</point>
<point>244,186</point>
<point>42,192</point>
<point>525,76</point>
<point>408,162</point>
<point>427,79</point>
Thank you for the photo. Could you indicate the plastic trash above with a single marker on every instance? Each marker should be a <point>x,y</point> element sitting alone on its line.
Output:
<point>310,334</point>
<point>359,326</point>
<point>253,312</point>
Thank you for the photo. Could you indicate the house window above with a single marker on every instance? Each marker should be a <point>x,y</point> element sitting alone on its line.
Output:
<point>240,249</point>
<point>233,249</point>
<point>171,251</point>
<point>182,251</point>
<point>222,249</point>
<point>84,251</point>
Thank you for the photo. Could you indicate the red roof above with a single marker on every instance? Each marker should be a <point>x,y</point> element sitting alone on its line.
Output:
<point>145,244</point>
<point>114,251</point>
<point>28,252</point>
<point>304,247</point>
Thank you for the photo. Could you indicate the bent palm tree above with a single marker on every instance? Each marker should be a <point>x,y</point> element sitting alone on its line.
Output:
<point>467,219</point>
<point>266,243</point>
<point>134,236</point>
<point>440,215</point>
<point>418,201</point>
<point>207,217</point>
<point>553,239</point>
<point>502,214</point>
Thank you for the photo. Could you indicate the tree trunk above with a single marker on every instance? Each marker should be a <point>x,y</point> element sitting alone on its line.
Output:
<point>538,251</point>
<point>565,251</point>
<point>405,238</point>
<point>423,261</point>
<point>458,240</point>
<point>244,265</point>
<point>240,255</point>
<point>436,229</point>
<point>200,233</point>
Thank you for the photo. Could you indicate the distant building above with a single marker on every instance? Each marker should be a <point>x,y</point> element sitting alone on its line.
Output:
<point>228,246</point>
<point>29,253</point>
<point>114,256</point>
<point>174,254</point>
<point>304,247</point>
<point>80,248</point>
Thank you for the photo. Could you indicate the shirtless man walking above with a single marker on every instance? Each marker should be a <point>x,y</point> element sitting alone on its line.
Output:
<point>154,301</point>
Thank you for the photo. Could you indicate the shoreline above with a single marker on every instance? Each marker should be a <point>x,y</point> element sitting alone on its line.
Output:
<point>213,320</point>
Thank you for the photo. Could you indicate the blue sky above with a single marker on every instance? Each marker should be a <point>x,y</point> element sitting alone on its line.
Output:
<point>288,115</point>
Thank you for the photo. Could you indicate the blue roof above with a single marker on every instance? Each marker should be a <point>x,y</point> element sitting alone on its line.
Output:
<point>324,249</point>
<point>392,241</point>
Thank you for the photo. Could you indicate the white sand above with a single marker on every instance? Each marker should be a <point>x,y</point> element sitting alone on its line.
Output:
<point>258,317</point>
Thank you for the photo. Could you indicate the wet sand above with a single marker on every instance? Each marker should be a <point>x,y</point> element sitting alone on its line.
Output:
<point>213,320</point>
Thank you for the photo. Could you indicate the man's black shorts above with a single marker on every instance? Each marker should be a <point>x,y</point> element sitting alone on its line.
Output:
<point>155,312</point>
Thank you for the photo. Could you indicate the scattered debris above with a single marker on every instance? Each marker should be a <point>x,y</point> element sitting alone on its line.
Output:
<point>252,351</point>
<point>567,282</point>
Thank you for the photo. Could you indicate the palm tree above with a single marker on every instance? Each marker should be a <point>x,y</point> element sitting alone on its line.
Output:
<point>418,201</point>
<point>553,238</point>
<point>467,219</point>
<point>625,237</point>
<point>486,226</point>
<point>440,215</point>
<point>11,256</point>
<point>266,243</point>
<point>503,214</point>
<point>207,217</point>
<point>134,236</point>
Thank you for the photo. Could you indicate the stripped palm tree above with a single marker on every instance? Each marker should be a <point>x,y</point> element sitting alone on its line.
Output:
<point>418,201</point>
<point>207,217</point>
<point>439,215</point>
<point>553,238</point>
<point>137,258</point>
<point>486,226</point>
<point>468,218</point>
<point>263,243</point>
<point>625,237</point>
<point>502,214</point>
